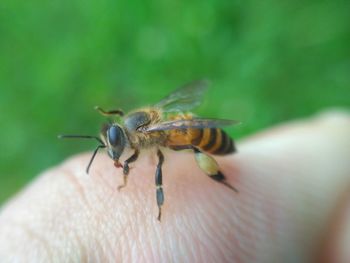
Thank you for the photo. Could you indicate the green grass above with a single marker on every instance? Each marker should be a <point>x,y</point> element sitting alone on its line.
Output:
<point>269,61</point>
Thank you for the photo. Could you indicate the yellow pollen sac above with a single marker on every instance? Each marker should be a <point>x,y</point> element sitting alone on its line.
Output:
<point>207,163</point>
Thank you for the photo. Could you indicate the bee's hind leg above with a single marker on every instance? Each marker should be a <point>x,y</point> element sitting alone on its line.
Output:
<point>159,183</point>
<point>219,177</point>
<point>211,168</point>
<point>126,168</point>
<point>207,164</point>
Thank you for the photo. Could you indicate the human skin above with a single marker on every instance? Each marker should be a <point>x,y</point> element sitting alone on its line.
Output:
<point>292,205</point>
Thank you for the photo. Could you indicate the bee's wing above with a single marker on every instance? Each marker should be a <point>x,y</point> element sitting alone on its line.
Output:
<point>196,123</point>
<point>185,97</point>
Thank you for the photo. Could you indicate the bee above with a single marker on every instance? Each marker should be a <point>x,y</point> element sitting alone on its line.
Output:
<point>166,124</point>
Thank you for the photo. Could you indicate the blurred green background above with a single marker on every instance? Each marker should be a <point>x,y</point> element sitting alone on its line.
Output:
<point>269,62</point>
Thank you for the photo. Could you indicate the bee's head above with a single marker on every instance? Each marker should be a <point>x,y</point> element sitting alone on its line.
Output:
<point>115,139</point>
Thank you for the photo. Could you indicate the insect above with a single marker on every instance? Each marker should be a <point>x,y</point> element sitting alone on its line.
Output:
<point>169,124</point>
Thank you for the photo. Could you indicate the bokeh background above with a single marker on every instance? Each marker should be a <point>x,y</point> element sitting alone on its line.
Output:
<point>269,62</point>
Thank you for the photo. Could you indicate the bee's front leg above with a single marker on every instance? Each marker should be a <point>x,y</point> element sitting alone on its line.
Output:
<point>159,183</point>
<point>126,168</point>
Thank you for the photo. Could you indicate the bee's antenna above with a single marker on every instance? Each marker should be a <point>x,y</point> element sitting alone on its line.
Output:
<point>93,156</point>
<point>80,137</point>
<point>118,112</point>
<point>101,146</point>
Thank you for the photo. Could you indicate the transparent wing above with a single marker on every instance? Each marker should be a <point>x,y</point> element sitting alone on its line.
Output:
<point>185,98</point>
<point>191,123</point>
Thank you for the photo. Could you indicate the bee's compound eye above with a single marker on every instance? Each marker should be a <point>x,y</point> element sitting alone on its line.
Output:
<point>114,135</point>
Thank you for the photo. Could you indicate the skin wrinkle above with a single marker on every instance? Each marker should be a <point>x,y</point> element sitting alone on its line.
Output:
<point>119,231</point>
<point>204,226</point>
<point>228,230</point>
<point>252,219</point>
<point>83,252</point>
<point>175,243</point>
<point>306,184</point>
<point>113,195</point>
<point>67,247</point>
<point>64,227</point>
<point>48,243</point>
<point>102,248</point>
<point>158,237</point>
<point>136,210</point>
<point>155,246</point>
<point>333,230</point>
<point>165,222</point>
<point>119,256</point>
<point>247,214</point>
<point>125,248</point>
<point>34,235</point>
<point>211,244</point>
<point>324,199</point>
<point>169,237</point>
<point>341,234</point>
<point>143,249</point>
<point>243,232</point>
<point>97,217</point>
<point>99,176</point>
<point>212,226</point>
<point>151,242</point>
<point>193,210</point>
<point>170,245</point>
<point>187,245</point>
<point>135,243</point>
<point>78,186</point>
<point>237,251</point>
<point>102,254</point>
<point>212,214</point>
<point>133,252</point>
<point>194,231</point>
<point>79,236</point>
<point>108,248</point>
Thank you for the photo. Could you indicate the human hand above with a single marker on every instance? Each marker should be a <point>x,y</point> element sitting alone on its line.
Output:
<point>293,183</point>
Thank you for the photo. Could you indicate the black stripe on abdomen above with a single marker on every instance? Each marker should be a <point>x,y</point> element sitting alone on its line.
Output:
<point>211,140</point>
<point>197,140</point>
<point>226,145</point>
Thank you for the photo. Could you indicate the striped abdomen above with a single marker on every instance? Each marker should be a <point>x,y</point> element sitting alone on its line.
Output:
<point>213,140</point>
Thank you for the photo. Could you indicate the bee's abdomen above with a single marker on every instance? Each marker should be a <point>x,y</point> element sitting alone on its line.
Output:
<point>214,141</point>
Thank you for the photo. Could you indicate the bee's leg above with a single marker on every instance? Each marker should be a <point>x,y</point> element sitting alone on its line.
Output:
<point>110,112</point>
<point>207,165</point>
<point>126,168</point>
<point>159,184</point>
<point>211,168</point>
<point>182,147</point>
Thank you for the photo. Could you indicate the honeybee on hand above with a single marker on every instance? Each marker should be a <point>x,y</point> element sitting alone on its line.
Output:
<point>166,124</point>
